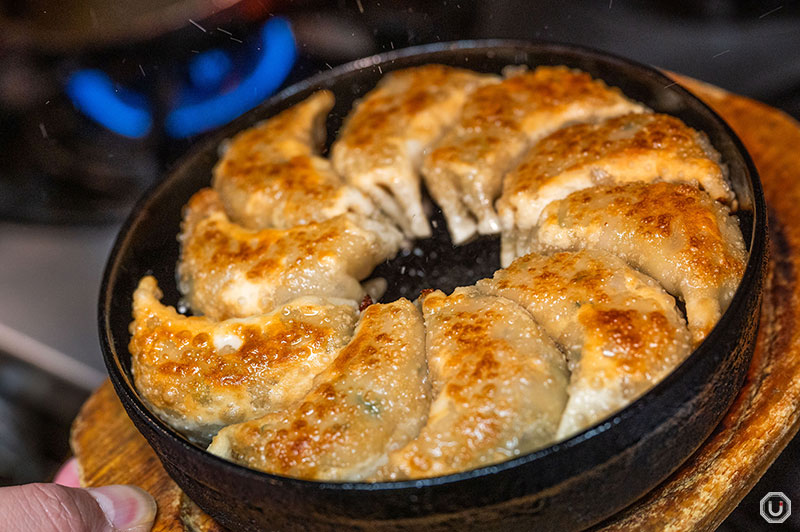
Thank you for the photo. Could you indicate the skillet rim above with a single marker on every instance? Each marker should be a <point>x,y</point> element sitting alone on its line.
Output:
<point>751,278</point>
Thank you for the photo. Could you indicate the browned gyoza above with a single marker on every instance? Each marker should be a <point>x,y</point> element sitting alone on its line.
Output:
<point>645,147</point>
<point>622,333</point>
<point>271,175</point>
<point>607,208</point>
<point>228,271</point>
<point>675,233</point>
<point>464,170</point>
<point>383,139</point>
<point>200,374</point>
<point>499,384</point>
<point>369,402</point>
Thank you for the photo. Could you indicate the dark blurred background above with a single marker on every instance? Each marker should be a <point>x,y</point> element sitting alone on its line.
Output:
<point>98,98</point>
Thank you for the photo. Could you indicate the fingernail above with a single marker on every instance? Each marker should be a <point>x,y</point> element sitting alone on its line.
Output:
<point>68,474</point>
<point>127,508</point>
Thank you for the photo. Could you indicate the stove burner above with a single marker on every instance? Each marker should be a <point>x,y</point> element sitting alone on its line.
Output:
<point>84,153</point>
<point>215,92</point>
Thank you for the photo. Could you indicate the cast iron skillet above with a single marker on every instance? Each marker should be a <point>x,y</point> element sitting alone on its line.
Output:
<point>567,486</point>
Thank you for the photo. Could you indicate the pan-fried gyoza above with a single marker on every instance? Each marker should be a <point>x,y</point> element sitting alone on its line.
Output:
<point>228,271</point>
<point>676,234</point>
<point>381,144</point>
<point>370,401</point>
<point>464,170</point>
<point>644,147</point>
<point>622,333</point>
<point>499,384</point>
<point>201,375</point>
<point>271,175</point>
<point>608,213</point>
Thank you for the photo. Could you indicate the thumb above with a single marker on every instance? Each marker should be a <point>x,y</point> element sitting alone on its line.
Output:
<point>50,507</point>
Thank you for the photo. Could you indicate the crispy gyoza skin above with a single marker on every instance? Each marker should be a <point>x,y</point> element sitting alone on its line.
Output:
<point>643,147</point>
<point>674,233</point>
<point>200,375</point>
<point>381,144</point>
<point>271,175</point>
<point>228,271</point>
<point>464,170</point>
<point>622,333</point>
<point>372,400</point>
<point>499,384</point>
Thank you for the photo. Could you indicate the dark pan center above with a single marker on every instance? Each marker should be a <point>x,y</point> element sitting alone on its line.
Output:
<point>436,263</point>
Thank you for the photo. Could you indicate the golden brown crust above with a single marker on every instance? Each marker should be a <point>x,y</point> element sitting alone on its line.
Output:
<point>622,333</point>
<point>500,386</point>
<point>370,401</point>
<point>673,232</point>
<point>584,276</point>
<point>201,375</point>
<point>483,385</point>
<point>228,271</point>
<point>400,100</point>
<point>629,339</point>
<point>545,89</point>
<point>498,122</point>
<point>380,146</point>
<point>643,147</point>
<point>713,481</point>
<point>271,175</point>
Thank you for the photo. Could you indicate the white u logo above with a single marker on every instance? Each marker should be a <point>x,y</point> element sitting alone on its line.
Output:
<point>772,512</point>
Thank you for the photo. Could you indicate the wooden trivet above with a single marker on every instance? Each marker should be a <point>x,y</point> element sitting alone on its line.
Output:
<point>706,488</point>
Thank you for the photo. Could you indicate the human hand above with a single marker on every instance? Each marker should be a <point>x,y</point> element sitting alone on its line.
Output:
<point>63,507</point>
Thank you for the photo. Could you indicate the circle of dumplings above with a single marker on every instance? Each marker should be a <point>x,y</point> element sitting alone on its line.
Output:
<point>607,212</point>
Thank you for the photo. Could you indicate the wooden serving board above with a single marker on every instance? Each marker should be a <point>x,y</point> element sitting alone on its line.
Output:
<point>699,496</point>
